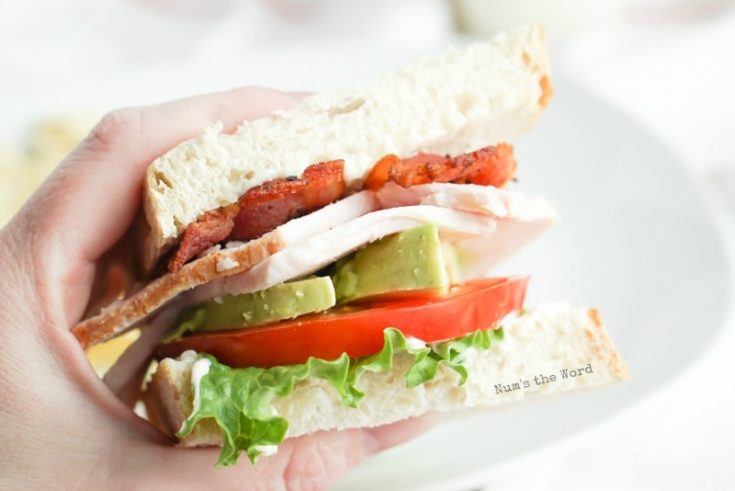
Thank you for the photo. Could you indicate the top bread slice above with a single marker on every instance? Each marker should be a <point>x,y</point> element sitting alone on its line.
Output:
<point>463,99</point>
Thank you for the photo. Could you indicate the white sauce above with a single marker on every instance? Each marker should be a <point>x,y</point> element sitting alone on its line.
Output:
<point>415,343</point>
<point>198,370</point>
<point>226,263</point>
<point>267,450</point>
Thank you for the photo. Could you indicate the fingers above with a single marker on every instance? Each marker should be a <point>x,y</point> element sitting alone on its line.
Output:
<point>89,201</point>
<point>309,462</point>
<point>387,436</point>
<point>125,378</point>
<point>323,457</point>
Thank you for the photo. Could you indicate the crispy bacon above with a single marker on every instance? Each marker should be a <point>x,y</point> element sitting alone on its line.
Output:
<point>261,209</point>
<point>211,228</point>
<point>273,203</point>
<point>380,173</point>
<point>488,166</point>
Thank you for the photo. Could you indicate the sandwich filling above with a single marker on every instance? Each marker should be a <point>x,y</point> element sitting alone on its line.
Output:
<point>409,280</point>
<point>400,295</point>
<point>273,203</point>
<point>387,271</point>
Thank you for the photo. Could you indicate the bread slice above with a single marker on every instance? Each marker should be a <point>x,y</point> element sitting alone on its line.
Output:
<point>457,101</point>
<point>543,341</point>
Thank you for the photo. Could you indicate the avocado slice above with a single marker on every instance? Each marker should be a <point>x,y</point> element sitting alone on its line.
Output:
<point>407,261</point>
<point>279,302</point>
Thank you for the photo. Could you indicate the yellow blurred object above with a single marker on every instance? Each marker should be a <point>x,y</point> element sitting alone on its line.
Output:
<point>23,167</point>
<point>104,355</point>
<point>52,139</point>
<point>13,183</point>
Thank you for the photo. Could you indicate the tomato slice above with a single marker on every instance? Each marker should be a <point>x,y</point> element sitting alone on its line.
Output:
<point>358,331</point>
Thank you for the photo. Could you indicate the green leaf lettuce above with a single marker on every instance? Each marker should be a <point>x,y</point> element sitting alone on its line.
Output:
<point>239,399</point>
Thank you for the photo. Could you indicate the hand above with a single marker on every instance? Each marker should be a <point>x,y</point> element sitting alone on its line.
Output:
<point>61,426</point>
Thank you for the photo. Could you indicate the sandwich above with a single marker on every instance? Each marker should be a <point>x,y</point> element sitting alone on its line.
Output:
<point>330,266</point>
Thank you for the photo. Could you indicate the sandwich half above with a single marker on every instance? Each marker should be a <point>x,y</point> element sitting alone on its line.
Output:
<point>329,266</point>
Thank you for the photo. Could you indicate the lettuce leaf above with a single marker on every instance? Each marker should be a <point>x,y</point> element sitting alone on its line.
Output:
<point>240,399</point>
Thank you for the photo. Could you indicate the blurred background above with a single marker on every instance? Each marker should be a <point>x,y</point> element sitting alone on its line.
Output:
<point>666,63</point>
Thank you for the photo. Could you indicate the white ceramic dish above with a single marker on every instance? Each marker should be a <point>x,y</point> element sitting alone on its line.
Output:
<point>636,240</point>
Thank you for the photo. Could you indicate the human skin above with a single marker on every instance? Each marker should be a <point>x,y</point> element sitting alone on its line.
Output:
<point>62,427</point>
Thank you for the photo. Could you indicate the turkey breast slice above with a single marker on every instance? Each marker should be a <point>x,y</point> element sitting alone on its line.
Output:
<point>490,223</point>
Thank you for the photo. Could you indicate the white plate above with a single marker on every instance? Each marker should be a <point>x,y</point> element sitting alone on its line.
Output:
<point>636,240</point>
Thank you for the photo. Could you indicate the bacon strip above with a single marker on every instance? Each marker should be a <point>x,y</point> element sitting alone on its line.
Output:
<point>488,166</point>
<point>262,209</point>
<point>211,228</point>
<point>274,203</point>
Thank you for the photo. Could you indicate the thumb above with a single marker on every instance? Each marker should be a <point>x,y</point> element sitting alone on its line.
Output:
<point>310,462</point>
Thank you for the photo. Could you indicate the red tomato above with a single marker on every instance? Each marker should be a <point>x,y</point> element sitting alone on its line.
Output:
<point>358,331</point>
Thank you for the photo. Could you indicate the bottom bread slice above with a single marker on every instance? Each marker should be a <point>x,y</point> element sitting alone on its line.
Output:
<point>549,349</point>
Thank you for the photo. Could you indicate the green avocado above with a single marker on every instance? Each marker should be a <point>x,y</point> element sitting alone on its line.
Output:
<point>279,302</point>
<point>409,260</point>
